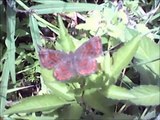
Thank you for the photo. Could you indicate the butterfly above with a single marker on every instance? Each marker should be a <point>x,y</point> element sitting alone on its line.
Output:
<point>82,62</point>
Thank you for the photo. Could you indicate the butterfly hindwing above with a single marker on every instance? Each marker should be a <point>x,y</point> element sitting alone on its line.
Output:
<point>88,66</point>
<point>65,70</point>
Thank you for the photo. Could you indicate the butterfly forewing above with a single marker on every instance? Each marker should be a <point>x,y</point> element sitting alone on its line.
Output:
<point>91,48</point>
<point>85,56</point>
<point>51,58</point>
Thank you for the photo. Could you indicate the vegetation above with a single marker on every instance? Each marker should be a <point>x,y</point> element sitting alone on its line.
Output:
<point>126,84</point>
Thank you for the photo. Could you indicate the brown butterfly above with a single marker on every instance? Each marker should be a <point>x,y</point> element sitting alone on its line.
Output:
<point>68,65</point>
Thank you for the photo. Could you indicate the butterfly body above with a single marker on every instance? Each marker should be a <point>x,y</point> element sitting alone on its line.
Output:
<point>68,65</point>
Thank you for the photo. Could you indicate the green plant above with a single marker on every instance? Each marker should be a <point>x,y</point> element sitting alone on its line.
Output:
<point>109,93</point>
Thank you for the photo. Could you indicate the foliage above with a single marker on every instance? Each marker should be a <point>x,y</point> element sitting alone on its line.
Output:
<point>126,85</point>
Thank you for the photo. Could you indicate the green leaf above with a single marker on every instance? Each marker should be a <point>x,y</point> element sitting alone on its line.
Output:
<point>118,31</point>
<point>49,1</point>
<point>9,65</point>
<point>93,23</point>
<point>32,117</point>
<point>146,95</point>
<point>65,39</point>
<point>127,81</point>
<point>122,116</point>
<point>123,56</point>
<point>96,100</point>
<point>36,103</point>
<point>72,111</point>
<point>35,32</point>
<point>21,32</point>
<point>133,5</point>
<point>64,7</point>
<point>43,21</point>
<point>146,75</point>
<point>3,86</point>
<point>106,63</point>
<point>60,89</point>
<point>10,40</point>
<point>148,51</point>
<point>118,93</point>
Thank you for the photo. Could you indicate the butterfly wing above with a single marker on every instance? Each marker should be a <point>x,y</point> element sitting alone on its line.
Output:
<point>65,70</point>
<point>68,65</point>
<point>91,48</point>
<point>85,55</point>
<point>86,66</point>
<point>50,58</point>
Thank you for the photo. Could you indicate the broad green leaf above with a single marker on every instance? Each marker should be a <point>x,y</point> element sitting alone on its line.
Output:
<point>123,56</point>
<point>147,51</point>
<point>147,95</point>
<point>93,22</point>
<point>36,103</point>
<point>106,63</point>
<point>118,93</point>
<point>105,22</point>
<point>64,7</point>
<point>96,100</point>
<point>60,89</point>
<point>117,31</point>
<point>72,111</point>
<point>147,77</point>
<point>142,28</point>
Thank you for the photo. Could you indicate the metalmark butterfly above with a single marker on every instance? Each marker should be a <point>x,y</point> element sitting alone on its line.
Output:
<point>68,65</point>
